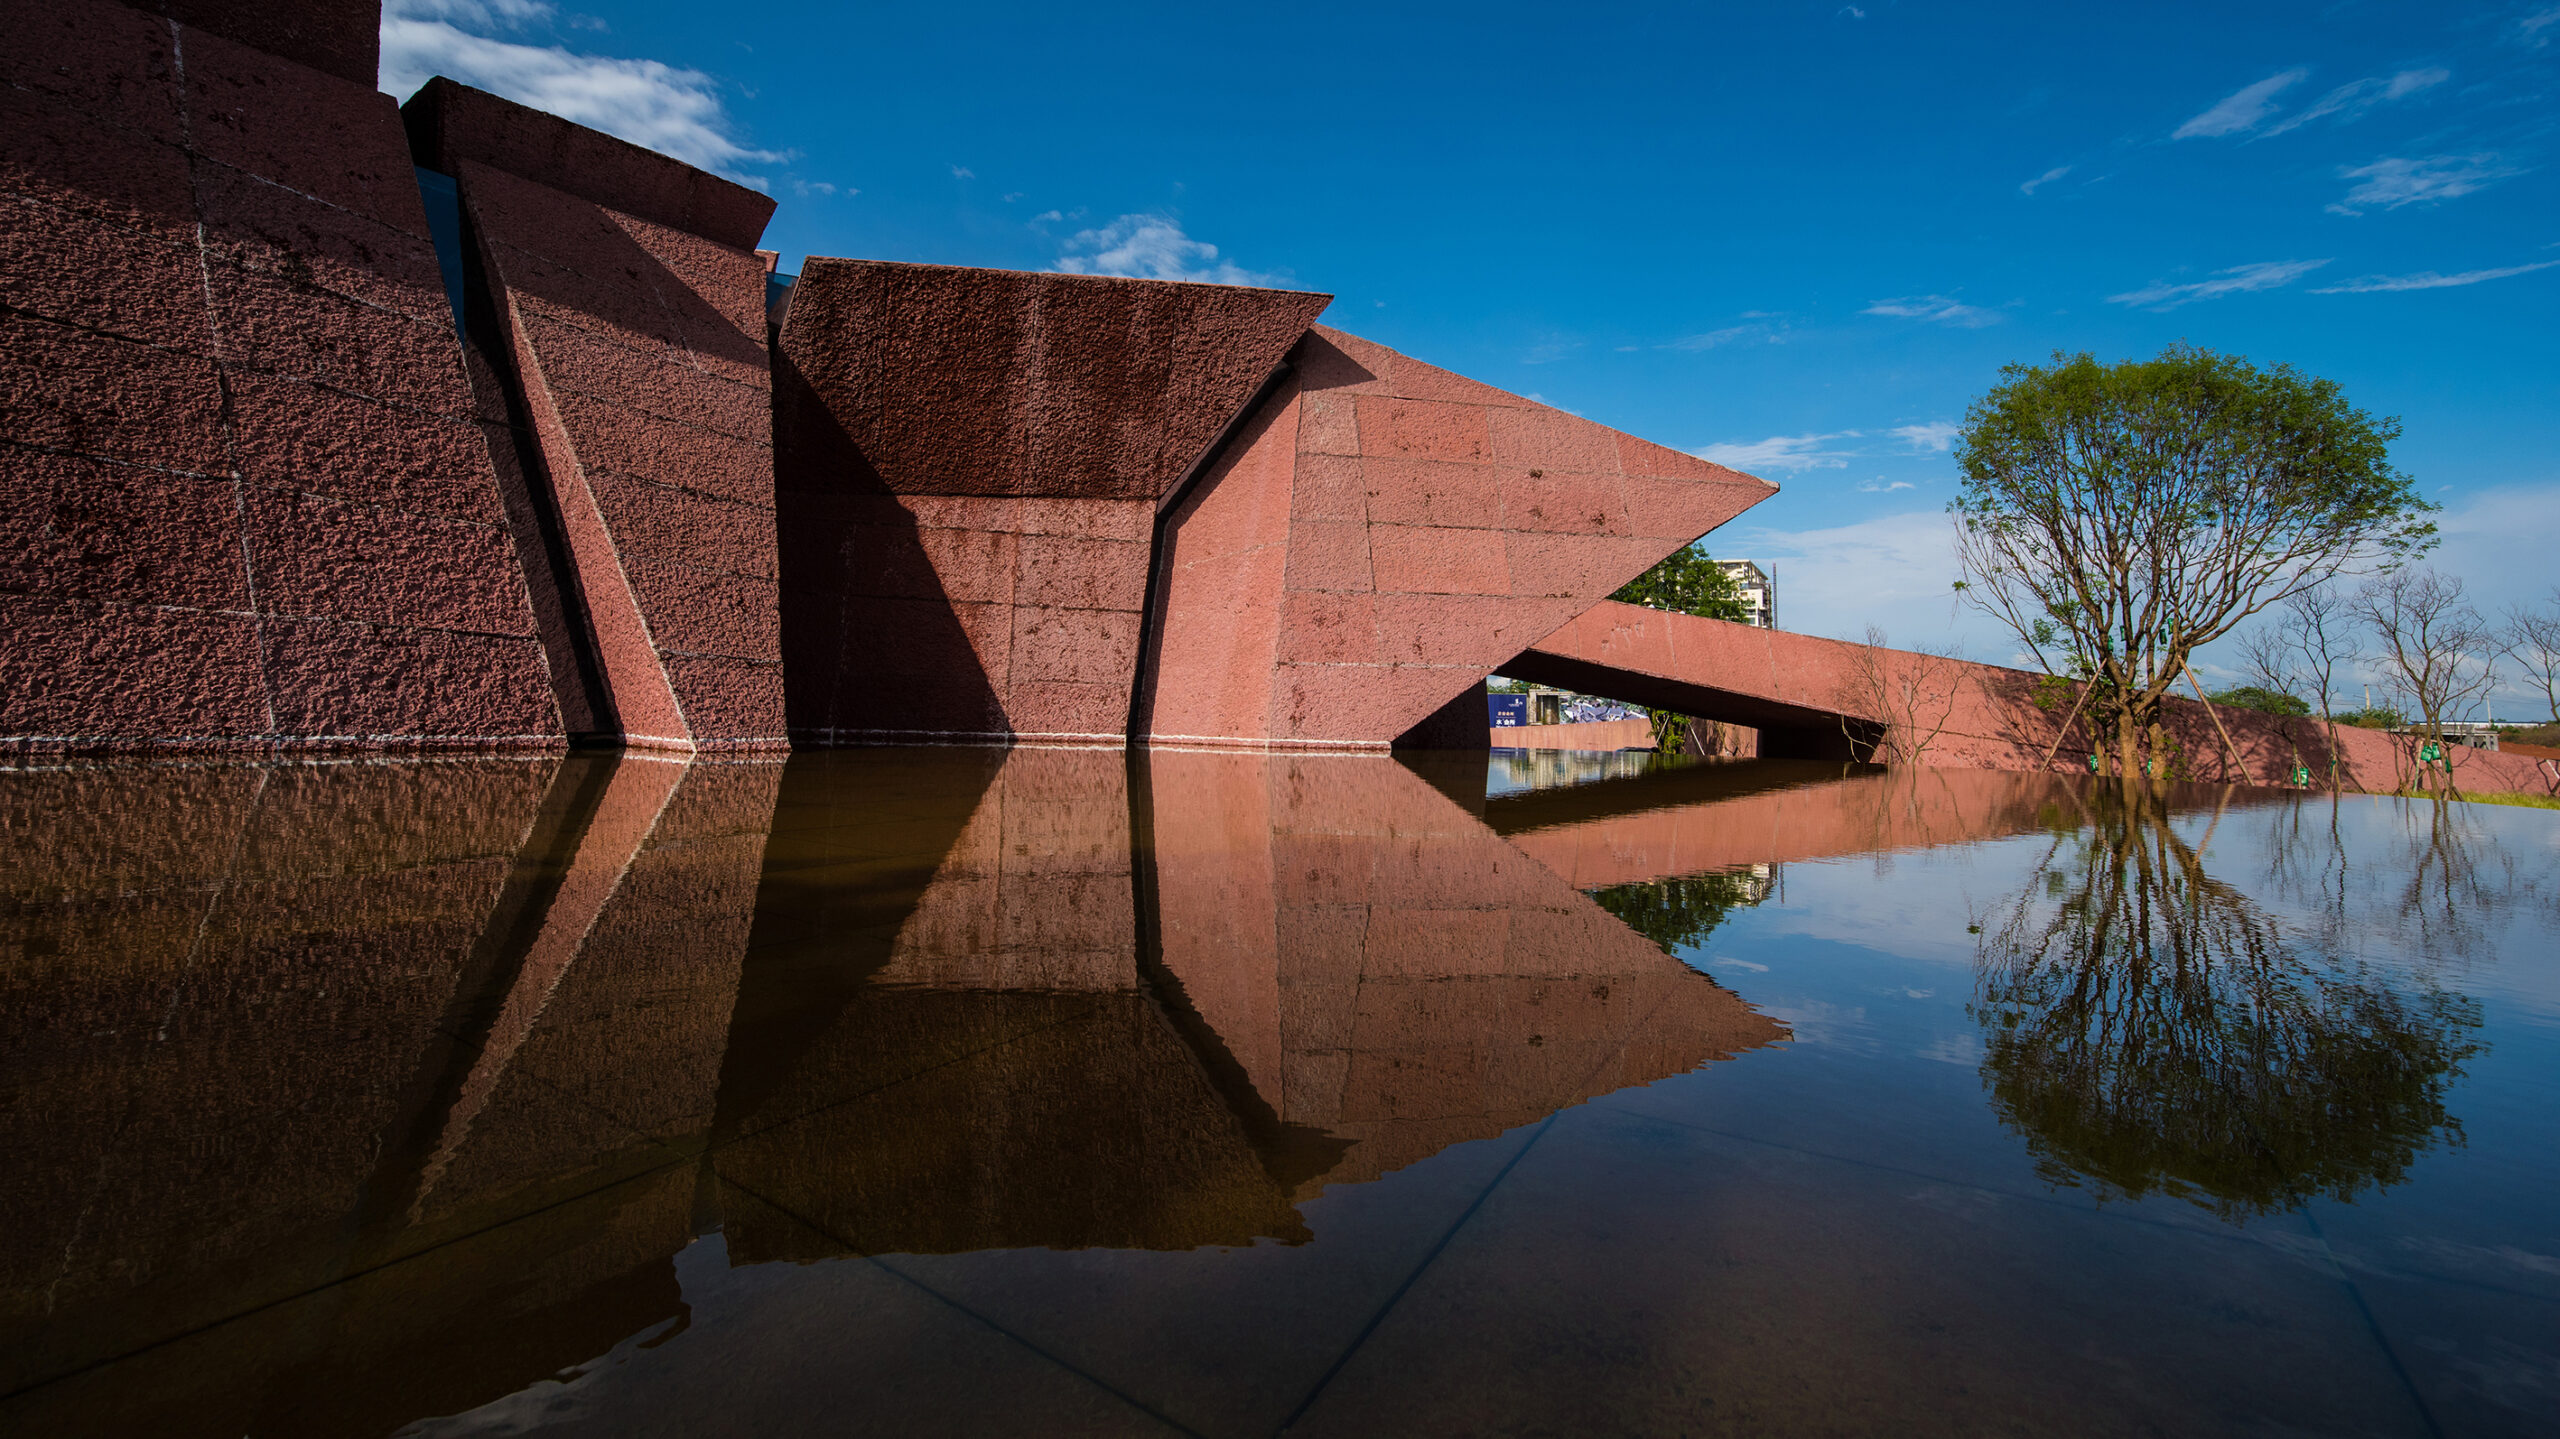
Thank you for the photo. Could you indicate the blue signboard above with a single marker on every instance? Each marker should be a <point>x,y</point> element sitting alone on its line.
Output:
<point>1509,711</point>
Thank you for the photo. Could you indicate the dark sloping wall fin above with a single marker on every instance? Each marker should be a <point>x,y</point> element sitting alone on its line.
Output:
<point>336,37</point>
<point>451,123</point>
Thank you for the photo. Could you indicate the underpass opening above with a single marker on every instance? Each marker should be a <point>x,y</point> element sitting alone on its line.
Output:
<point>1786,731</point>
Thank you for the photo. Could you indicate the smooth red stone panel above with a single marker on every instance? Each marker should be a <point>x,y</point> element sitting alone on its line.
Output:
<point>76,390</point>
<point>337,139</point>
<point>73,670</point>
<point>82,529</point>
<point>377,685</point>
<point>82,271</point>
<point>296,435</point>
<point>1221,614</point>
<point>336,560</point>
<point>1438,527</point>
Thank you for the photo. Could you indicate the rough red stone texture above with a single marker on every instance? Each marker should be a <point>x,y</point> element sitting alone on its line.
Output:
<point>1382,534</point>
<point>1798,689</point>
<point>637,348</point>
<point>971,463</point>
<point>452,124</point>
<point>251,509</point>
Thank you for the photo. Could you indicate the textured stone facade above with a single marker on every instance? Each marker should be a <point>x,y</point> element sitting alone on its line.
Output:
<point>459,425</point>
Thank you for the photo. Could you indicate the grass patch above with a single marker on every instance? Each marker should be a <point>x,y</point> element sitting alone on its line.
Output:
<point>2524,801</point>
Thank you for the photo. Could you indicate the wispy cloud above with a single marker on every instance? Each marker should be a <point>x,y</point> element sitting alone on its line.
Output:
<point>2242,109</point>
<point>2238,280</point>
<point>963,172</point>
<point>2047,178</point>
<point>1936,435</point>
<point>806,188</point>
<point>1937,309</point>
<point>2535,30</point>
<point>669,109</point>
<point>1781,452</point>
<point>1878,486</point>
<point>1756,325</point>
<point>2428,280</point>
<point>1153,247</point>
<point>2394,182</point>
<point>2352,99</point>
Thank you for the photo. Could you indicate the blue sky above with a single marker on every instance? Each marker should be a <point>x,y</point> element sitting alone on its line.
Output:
<point>1796,237</point>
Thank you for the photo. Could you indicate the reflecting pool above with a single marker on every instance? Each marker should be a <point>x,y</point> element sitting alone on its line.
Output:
<point>1071,1091</point>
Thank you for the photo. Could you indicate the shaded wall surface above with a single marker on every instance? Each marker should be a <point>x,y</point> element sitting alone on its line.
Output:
<point>1820,698</point>
<point>349,1094</point>
<point>624,306</point>
<point>250,500</point>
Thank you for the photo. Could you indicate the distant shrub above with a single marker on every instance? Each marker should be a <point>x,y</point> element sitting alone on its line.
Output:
<point>2264,701</point>
<point>2374,718</point>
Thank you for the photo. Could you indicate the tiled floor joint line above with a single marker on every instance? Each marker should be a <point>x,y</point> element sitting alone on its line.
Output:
<point>1342,1360</point>
<point>881,1264</point>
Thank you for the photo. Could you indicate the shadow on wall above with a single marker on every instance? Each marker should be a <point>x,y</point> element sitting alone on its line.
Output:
<point>867,627</point>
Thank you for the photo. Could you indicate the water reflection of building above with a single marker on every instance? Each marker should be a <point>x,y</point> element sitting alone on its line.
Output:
<point>349,1094</point>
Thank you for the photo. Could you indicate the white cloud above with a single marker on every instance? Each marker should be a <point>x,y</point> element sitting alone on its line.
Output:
<point>2047,178</point>
<point>1046,215</point>
<point>1726,336</point>
<point>2240,110</point>
<point>1936,435</point>
<point>806,188</point>
<point>670,110</point>
<point>2238,280</point>
<point>1877,486</point>
<point>1780,452</point>
<point>2393,182</point>
<point>1938,309</point>
<point>1153,247</point>
<point>2352,99</point>
<point>2530,28</point>
<point>1015,195</point>
<point>2428,280</point>
<point>1896,570</point>
<point>963,172</point>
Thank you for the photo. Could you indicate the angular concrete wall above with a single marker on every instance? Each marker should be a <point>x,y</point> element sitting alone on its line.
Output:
<point>264,495</point>
<point>249,502</point>
<point>626,311</point>
<point>971,467</point>
<point>1384,534</point>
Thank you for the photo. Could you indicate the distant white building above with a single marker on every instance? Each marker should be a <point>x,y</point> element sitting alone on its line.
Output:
<point>1757,591</point>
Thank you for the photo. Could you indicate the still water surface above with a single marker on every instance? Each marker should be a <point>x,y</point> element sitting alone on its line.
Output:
<point>1061,1092</point>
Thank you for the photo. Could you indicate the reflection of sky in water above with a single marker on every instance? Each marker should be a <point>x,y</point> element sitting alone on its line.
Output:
<point>1049,1091</point>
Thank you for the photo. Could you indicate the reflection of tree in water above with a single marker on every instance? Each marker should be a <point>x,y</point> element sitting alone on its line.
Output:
<point>2148,1028</point>
<point>1684,911</point>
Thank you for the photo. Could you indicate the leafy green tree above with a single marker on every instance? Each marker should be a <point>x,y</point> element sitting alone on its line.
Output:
<point>2116,517</point>
<point>1687,583</point>
<point>2264,701</point>
<point>1682,911</point>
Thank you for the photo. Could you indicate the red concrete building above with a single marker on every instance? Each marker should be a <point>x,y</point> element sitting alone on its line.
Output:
<point>335,424</point>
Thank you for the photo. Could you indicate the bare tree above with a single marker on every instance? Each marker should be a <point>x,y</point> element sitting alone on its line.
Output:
<point>1911,694</point>
<point>2310,640</point>
<point>2532,639</point>
<point>2436,651</point>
